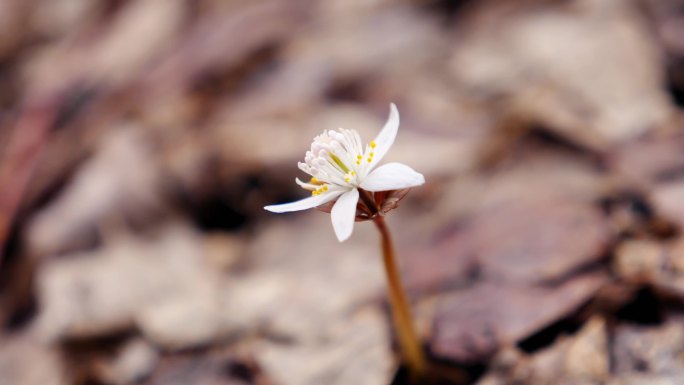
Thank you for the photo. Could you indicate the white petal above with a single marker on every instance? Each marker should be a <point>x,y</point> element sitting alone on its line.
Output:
<point>344,213</point>
<point>305,203</point>
<point>385,138</point>
<point>392,176</point>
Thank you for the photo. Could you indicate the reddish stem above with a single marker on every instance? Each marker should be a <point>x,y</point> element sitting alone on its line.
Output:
<point>401,311</point>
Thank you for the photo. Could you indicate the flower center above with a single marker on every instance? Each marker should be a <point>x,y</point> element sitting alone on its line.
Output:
<point>337,158</point>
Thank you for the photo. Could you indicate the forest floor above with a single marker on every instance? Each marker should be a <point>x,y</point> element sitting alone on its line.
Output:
<point>140,140</point>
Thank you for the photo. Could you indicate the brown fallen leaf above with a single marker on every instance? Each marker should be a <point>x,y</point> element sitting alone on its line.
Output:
<point>566,90</point>
<point>353,352</point>
<point>165,286</point>
<point>582,358</point>
<point>673,378</point>
<point>473,323</point>
<point>537,239</point>
<point>215,367</point>
<point>24,360</point>
<point>534,173</point>
<point>121,181</point>
<point>667,202</point>
<point>640,261</point>
<point>134,361</point>
<point>652,159</point>
<point>657,349</point>
<point>657,264</point>
<point>442,266</point>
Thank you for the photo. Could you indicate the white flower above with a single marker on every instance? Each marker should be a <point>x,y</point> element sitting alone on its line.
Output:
<point>339,166</point>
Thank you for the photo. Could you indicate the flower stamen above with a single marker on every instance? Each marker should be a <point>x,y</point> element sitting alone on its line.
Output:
<point>320,190</point>
<point>337,158</point>
<point>339,163</point>
<point>348,176</point>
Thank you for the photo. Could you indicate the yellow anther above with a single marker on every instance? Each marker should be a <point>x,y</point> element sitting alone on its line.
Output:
<point>314,180</point>
<point>373,144</point>
<point>348,176</point>
<point>358,162</point>
<point>320,190</point>
<point>359,157</point>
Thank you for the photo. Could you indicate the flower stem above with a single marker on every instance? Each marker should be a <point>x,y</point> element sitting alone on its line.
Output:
<point>401,311</point>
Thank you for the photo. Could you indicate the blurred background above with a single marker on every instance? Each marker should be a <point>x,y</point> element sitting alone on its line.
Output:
<point>140,139</point>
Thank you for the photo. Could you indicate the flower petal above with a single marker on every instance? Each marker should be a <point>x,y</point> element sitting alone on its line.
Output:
<point>344,213</point>
<point>305,203</point>
<point>392,176</point>
<point>385,138</point>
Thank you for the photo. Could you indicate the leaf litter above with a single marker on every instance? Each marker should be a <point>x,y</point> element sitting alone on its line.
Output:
<point>141,139</point>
